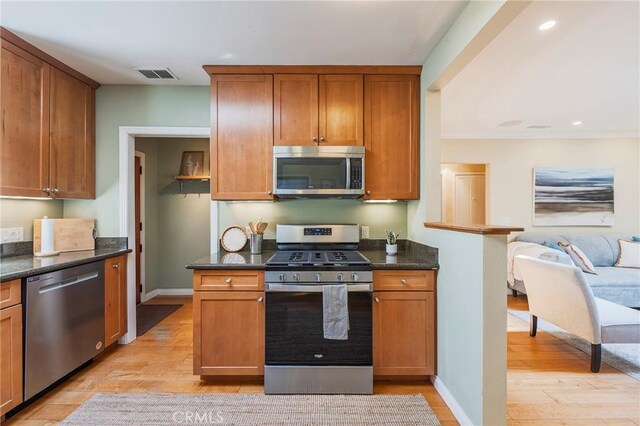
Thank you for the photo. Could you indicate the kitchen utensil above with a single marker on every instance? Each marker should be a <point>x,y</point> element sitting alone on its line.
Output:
<point>262,226</point>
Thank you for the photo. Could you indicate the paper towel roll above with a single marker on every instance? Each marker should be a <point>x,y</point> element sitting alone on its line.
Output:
<point>46,239</point>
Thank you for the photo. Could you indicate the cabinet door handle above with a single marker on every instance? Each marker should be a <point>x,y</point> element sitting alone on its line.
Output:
<point>228,280</point>
<point>322,139</point>
<point>368,192</point>
<point>376,299</point>
<point>315,139</point>
<point>260,299</point>
<point>47,190</point>
<point>55,190</point>
<point>269,192</point>
<point>115,265</point>
<point>403,281</point>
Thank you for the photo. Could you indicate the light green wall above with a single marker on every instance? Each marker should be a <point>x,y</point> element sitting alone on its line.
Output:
<point>21,213</point>
<point>181,106</point>
<point>189,106</point>
<point>177,223</point>
<point>376,216</point>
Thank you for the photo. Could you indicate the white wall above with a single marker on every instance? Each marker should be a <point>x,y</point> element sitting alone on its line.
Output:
<point>510,175</point>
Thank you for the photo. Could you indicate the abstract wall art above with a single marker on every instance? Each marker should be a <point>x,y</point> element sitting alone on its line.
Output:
<point>573,196</point>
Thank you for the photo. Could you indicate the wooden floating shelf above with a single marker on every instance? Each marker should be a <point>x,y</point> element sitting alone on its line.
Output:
<point>182,179</point>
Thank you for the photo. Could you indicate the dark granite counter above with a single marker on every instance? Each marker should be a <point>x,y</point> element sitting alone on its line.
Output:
<point>238,260</point>
<point>410,256</point>
<point>29,265</point>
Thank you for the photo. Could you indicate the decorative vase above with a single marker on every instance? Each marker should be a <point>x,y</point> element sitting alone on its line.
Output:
<point>392,249</point>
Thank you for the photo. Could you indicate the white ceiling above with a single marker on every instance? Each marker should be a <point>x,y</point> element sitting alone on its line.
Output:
<point>586,68</point>
<point>108,40</point>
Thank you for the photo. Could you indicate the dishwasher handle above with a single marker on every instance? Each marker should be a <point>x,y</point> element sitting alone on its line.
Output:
<point>67,283</point>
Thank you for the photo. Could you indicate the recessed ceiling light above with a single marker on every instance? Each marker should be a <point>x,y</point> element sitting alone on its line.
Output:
<point>547,25</point>
<point>510,123</point>
<point>577,123</point>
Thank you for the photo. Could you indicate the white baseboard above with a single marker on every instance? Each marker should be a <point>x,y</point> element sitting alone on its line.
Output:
<point>451,402</point>
<point>166,292</point>
<point>148,296</point>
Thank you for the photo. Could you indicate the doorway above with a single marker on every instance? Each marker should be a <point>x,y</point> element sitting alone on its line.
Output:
<point>464,193</point>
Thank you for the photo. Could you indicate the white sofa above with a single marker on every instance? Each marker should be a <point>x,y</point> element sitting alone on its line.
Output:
<point>618,285</point>
<point>561,295</point>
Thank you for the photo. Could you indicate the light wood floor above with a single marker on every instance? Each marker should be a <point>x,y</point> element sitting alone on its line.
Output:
<point>549,382</point>
<point>161,361</point>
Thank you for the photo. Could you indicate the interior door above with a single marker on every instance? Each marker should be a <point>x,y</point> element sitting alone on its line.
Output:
<point>341,109</point>
<point>469,199</point>
<point>295,109</point>
<point>138,221</point>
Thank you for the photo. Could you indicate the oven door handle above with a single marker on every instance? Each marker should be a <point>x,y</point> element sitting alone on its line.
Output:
<point>314,288</point>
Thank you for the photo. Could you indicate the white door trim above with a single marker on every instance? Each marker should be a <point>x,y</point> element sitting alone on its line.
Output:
<point>126,189</point>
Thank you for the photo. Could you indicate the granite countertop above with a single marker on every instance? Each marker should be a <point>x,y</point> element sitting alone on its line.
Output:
<point>410,256</point>
<point>28,265</point>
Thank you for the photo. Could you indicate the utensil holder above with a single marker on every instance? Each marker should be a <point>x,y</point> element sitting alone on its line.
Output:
<point>255,243</point>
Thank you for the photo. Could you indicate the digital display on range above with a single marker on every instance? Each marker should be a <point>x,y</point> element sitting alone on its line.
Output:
<point>317,231</point>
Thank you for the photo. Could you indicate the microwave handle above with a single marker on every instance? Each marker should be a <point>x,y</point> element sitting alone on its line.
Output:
<point>348,183</point>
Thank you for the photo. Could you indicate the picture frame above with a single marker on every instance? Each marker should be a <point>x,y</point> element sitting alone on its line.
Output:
<point>192,163</point>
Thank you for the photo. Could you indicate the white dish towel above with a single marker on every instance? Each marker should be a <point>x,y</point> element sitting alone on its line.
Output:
<point>335,311</point>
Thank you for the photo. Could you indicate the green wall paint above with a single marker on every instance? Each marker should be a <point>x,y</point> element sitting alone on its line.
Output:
<point>376,216</point>
<point>184,106</point>
<point>116,105</point>
<point>177,223</point>
<point>21,213</point>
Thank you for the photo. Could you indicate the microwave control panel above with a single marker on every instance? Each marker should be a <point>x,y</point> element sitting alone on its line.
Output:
<point>356,173</point>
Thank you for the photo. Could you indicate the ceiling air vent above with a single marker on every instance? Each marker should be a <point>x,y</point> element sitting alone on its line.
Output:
<point>156,73</point>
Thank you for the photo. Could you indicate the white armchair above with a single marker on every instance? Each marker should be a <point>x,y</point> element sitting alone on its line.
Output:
<point>561,295</point>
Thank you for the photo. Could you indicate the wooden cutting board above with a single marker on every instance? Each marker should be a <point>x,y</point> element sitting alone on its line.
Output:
<point>68,234</point>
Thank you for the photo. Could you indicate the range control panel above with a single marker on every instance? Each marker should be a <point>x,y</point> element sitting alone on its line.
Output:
<point>318,231</point>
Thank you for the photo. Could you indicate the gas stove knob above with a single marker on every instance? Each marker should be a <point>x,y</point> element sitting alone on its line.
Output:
<point>354,277</point>
<point>318,277</point>
<point>340,277</point>
<point>296,277</point>
<point>283,277</point>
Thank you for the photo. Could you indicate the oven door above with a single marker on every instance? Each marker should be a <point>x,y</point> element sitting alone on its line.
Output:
<point>294,328</point>
<point>318,172</point>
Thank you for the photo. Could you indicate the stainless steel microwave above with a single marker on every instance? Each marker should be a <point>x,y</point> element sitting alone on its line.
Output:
<point>318,171</point>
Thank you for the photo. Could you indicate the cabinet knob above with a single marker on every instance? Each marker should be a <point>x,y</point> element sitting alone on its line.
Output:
<point>368,192</point>
<point>322,139</point>
<point>115,265</point>
<point>403,281</point>
<point>260,299</point>
<point>269,192</point>
<point>47,190</point>
<point>54,190</point>
<point>315,139</point>
<point>376,299</point>
<point>228,280</point>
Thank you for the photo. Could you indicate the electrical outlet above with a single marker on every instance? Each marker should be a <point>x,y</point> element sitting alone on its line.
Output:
<point>364,232</point>
<point>10,235</point>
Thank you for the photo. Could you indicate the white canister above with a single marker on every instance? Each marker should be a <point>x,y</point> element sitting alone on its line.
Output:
<point>392,249</point>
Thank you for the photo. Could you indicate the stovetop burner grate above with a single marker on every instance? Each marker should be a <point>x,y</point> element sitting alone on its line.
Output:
<point>312,257</point>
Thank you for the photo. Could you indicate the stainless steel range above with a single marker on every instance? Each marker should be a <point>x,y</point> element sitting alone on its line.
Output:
<point>298,357</point>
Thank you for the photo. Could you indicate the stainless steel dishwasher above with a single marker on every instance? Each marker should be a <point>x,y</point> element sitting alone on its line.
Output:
<point>64,323</point>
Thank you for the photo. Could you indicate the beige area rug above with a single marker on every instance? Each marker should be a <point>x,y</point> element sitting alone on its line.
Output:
<point>252,409</point>
<point>624,357</point>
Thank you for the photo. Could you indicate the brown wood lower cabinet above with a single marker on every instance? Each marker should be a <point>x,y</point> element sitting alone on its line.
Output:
<point>228,333</point>
<point>10,357</point>
<point>404,331</point>
<point>115,298</point>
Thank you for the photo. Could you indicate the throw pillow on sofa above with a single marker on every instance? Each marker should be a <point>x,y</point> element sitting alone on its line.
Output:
<point>552,245</point>
<point>579,258</point>
<point>629,256</point>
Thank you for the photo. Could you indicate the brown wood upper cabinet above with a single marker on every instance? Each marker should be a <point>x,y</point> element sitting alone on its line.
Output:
<point>312,109</point>
<point>115,298</point>
<point>48,133</point>
<point>241,137</point>
<point>391,125</point>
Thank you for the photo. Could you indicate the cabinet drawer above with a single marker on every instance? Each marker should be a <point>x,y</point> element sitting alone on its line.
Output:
<point>10,293</point>
<point>403,280</point>
<point>228,280</point>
